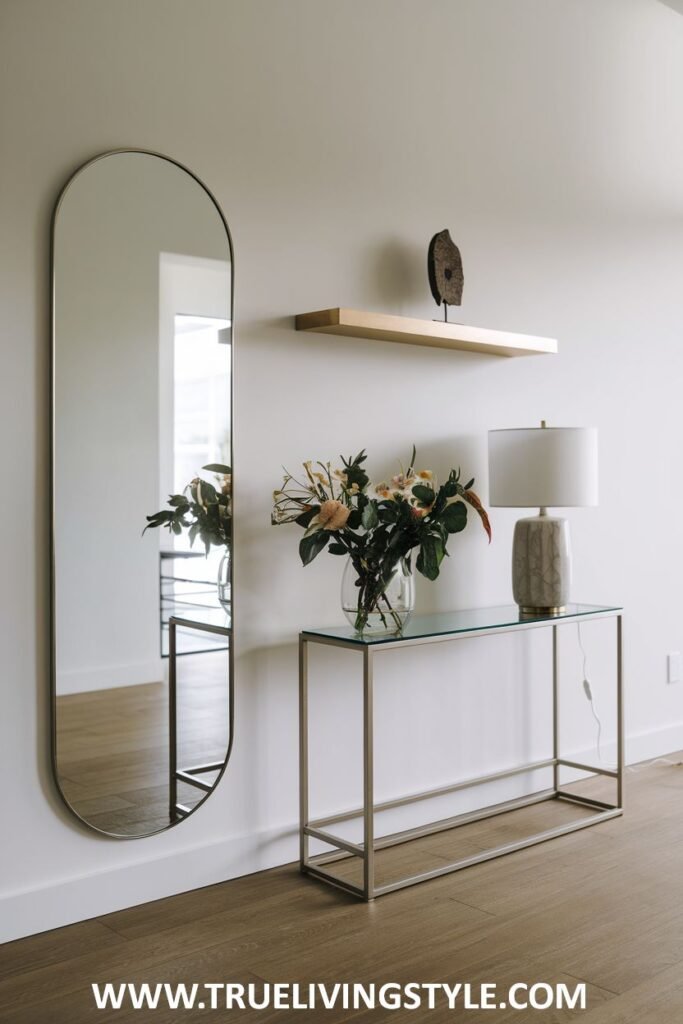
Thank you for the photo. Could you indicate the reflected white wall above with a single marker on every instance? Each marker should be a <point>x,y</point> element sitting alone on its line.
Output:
<point>122,220</point>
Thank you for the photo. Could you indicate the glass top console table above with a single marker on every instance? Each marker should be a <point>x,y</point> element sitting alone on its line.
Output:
<point>445,628</point>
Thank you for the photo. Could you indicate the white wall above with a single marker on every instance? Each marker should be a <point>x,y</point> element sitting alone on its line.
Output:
<point>546,134</point>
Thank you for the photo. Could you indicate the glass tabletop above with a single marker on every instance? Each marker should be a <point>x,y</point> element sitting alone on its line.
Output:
<point>470,620</point>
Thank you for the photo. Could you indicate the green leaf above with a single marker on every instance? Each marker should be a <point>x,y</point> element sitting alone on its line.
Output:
<point>430,557</point>
<point>469,485</point>
<point>208,491</point>
<point>337,549</point>
<point>425,495</point>
<point>311,546</point>
<point>305,518</point>
<point>388,511</point>
<point>158,519</point>
<point>217,467</point>
<point>370,519</point>
<point>455,517</point>
<point>354,473</point>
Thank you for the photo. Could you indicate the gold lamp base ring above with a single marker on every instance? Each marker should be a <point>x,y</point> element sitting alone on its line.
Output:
<point>535,612</point>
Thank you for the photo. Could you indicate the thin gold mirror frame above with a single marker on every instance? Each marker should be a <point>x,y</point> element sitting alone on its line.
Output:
<point>52,497</point>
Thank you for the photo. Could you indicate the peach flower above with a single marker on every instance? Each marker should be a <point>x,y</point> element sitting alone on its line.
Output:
<point>333,515</point>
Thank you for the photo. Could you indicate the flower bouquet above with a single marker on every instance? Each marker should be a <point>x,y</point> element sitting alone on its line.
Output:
<point>377,528</point>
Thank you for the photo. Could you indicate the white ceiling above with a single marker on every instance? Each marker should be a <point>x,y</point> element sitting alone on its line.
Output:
<point>676,4</point>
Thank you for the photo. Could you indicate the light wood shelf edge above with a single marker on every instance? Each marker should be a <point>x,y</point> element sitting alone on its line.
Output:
<point>355,323</point>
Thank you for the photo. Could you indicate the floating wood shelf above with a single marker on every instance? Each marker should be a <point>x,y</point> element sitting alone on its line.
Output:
<point>434,333</point>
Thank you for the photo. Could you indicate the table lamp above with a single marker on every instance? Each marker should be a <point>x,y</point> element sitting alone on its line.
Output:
<point>548,467</point>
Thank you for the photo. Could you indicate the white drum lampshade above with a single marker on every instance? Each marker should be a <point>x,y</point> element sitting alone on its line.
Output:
<point>546,467</point>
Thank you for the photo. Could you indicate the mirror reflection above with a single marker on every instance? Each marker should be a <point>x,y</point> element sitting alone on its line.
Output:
<point>142,493</point>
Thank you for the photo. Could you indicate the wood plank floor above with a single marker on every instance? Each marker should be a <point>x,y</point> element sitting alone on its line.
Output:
<point>603,906</point>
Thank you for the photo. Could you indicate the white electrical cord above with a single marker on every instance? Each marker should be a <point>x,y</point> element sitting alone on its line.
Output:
<point>589,693</point>
<point>651,764</point>
<point>589,696</point>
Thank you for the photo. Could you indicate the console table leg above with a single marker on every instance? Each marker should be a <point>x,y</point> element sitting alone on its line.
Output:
<point>368,779</point>
<point>620,713</point>
<point>556,712</point>
<point>303,752</point>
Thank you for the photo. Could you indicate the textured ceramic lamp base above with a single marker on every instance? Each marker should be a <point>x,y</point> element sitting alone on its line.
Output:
<point>541,565</point>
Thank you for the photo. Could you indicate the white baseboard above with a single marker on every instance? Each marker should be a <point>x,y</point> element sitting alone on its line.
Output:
<point>641,746</point>
<point>109,677</point>
<point>76,899</point>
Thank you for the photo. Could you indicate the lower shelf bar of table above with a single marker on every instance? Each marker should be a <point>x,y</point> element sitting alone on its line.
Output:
<point>611,773</point>
<point>200,769</point>
<point>456,821</point>
<point>431,794</point>
<point>341,844</point>
<point>574,798</point>
<point>192,780</point>
<point>314,866</point>
<point>324,876</point>
<point>499,851</point>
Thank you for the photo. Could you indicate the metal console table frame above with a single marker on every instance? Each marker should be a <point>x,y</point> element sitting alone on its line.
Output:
<point>442,629</point>
<point>192,774</point>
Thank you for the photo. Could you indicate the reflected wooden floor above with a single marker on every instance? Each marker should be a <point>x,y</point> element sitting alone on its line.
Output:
<point>112,745</point>
<point>603,906</point>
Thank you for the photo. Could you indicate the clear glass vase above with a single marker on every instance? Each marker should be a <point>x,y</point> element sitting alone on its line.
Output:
<point>374,608</point>
<point>224,581</point>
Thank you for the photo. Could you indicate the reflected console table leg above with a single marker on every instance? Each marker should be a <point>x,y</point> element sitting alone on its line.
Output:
<point>192,775</point>
<point>172,723</point>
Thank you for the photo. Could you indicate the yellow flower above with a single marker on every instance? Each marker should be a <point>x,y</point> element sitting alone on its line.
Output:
<point>333,515</point>
<point>426,474</point>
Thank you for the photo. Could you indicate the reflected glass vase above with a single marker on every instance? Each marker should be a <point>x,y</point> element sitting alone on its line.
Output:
<point>373,607</point>
<point>224,582</point>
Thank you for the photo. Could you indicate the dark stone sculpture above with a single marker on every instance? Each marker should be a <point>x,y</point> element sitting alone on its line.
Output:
<point>444,265</point>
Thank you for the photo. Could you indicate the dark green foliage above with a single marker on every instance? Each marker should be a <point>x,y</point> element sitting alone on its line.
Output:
<point>201,510</point>
<point>311,545</point>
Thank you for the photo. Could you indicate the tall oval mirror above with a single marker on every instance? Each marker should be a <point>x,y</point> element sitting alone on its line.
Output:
<point>142,509</point>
